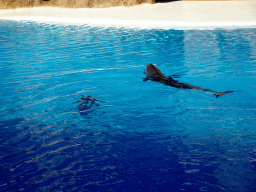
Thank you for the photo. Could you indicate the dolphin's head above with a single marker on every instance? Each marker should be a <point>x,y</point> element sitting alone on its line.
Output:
<point>153,72</point>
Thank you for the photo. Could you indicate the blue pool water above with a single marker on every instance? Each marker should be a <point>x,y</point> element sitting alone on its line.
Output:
<point>130,135</point>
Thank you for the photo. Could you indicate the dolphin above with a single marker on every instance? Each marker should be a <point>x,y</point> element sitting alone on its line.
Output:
<point>154,74</point>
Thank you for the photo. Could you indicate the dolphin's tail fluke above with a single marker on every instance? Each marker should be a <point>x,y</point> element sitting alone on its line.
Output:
<point>217,94</point>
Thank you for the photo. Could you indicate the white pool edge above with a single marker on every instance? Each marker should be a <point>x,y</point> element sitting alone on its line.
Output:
<point>173,15</point>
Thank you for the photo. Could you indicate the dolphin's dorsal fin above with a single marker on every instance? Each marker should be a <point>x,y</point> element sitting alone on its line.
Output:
<point>153,72</point>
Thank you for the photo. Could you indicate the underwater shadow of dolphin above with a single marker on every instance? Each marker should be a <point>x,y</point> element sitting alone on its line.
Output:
<point>86,103</point>
<point>154,74</point>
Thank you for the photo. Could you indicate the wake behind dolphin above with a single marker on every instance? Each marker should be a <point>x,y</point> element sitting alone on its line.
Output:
<point>154,74</point>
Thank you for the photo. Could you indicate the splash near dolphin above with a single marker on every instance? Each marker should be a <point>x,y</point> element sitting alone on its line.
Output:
<point>154,74</point>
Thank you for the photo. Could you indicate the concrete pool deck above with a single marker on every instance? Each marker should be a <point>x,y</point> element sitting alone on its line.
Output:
<point>179,15</point>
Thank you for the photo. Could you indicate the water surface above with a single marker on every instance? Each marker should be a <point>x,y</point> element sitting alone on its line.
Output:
<point>135,135</point>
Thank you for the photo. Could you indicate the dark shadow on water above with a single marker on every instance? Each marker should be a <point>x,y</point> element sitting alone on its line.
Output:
<point>86,103</point>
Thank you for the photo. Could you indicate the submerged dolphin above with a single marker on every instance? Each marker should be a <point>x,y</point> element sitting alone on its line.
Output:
<point>154,74</point>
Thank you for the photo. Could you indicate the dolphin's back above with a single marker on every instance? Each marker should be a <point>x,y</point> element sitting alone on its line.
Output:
<point>153,72</point>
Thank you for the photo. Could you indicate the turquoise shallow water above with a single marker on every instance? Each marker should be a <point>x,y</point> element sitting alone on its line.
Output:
<point>130,135</point>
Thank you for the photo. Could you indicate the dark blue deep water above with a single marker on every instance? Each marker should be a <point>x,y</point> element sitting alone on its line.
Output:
<point>76,115</point>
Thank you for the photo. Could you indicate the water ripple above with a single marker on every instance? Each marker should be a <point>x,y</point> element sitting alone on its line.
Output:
<point>144,136</point>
